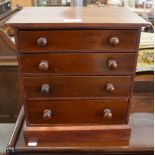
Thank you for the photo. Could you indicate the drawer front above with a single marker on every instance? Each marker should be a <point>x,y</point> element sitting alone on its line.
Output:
<point>79,64</point>
<point>77,40</point>
<point>77,112</point>
<point>61,87</point>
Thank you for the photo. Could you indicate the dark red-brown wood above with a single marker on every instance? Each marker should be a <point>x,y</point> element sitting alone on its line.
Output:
<point>82,31</point>
<point>137,145</point>
<point>71,17</point>
<point>76,112</point>
<point>77,64</point>
<point>104,135</point>
<point>62,87</point>
<point>77,40</point>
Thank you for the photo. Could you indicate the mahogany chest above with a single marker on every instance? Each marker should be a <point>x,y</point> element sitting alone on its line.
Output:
<point>77,68</point>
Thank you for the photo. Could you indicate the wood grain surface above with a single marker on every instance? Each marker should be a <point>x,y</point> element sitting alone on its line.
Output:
<point>80,90</point>
<point>62,17</point>
<point>137,144</point>
<point>76,87</point>
<point>77,64</point>
<point>75,112</point>
<point>77,40</point>
<point>105,135</point>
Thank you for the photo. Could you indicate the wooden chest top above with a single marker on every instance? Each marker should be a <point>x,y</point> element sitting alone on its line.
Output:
<point>48,17</point>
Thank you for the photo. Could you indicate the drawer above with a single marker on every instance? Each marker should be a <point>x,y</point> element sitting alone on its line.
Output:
<point>61,87</point>
<point>77,40</point>
<point>77,112</point>
<point>79,63</point>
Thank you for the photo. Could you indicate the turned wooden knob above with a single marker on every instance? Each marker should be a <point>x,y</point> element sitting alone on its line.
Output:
<point>110,88</point>
<point>47,114</point>
<point>45,89</point>
<point>112,64</point>
<point>43,65</point>
<point>107,113</point>
<point>42,42</point>
<point>114,41</point>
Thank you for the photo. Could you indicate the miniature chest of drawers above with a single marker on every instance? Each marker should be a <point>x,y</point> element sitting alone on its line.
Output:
<point>77,68</point>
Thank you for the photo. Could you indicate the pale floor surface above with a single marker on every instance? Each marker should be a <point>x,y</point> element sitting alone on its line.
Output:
<point>5,133</point>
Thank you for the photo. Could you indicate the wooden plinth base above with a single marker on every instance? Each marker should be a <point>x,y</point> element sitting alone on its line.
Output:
<point>106,135</point>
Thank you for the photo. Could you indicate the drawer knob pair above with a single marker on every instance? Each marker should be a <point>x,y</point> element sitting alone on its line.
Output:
<point>107,113</point>
<point>42,42</point>
<point>114,41</point>
<point>44,65</point>
<point>47,114</point>
<point>112,64</point>
<point>45,88</point>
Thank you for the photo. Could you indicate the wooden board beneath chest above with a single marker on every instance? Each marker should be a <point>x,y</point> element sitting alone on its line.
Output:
<point>112,135</point>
